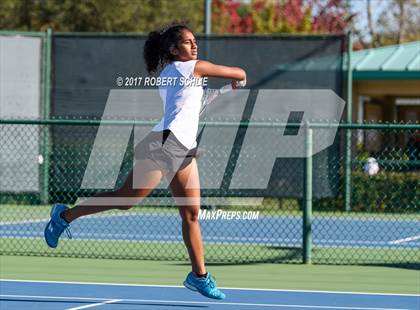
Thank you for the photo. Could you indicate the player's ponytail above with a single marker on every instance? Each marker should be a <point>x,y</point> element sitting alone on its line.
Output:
<point>156,49</point>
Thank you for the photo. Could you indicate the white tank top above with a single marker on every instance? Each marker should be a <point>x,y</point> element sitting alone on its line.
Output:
<point>181,103</point>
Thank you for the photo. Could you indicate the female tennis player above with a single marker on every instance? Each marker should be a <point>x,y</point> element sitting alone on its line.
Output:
<point>169,150</point>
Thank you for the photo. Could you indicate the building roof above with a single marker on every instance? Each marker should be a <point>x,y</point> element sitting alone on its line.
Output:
<point>400,62</point>
<point>389,62</point>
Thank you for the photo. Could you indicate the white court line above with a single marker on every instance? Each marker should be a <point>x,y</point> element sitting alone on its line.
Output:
<point>182,302</point>
<point>212,240</point>
<point>408,239</point>
<point>25,222</point>
<point>73,298</point>
<point>96,305</point>
<point>224,287</point>
<point>282,242</point>
<point>100,216</point>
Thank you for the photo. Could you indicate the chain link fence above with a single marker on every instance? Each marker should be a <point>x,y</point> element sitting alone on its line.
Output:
<point>44,162</point>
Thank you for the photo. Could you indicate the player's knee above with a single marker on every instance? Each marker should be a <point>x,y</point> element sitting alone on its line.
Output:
<point>191,216</point>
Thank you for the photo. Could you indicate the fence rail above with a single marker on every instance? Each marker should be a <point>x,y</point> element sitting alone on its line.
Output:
<point>272,124</point>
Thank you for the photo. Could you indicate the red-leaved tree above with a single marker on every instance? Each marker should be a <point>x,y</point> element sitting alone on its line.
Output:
<point>280,16</point>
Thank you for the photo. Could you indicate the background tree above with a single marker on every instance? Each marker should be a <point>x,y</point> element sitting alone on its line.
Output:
<point>229,16</point>
<point>394,22</point>
<point>280,16</point>
<point>98,15</point>
<point>374,22</point>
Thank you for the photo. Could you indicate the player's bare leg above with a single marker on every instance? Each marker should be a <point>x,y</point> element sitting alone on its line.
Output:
<point>185,187</point>
<point>123,198</point>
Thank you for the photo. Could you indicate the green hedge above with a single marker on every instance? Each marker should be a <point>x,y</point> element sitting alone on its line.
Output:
<point>385,192</point>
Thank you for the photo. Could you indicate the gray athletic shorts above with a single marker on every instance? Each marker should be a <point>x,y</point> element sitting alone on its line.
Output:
<point>165,150</point>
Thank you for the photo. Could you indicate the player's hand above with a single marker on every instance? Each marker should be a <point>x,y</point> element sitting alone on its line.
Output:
<point>238,84</point>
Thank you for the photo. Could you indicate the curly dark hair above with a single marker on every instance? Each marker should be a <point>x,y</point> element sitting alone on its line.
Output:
<point>156,48</point>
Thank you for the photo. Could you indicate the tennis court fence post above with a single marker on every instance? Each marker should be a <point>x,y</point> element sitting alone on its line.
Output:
<point>349,119</point>
<point>207,17</point>
<point>46,115</point>
<point>207,28</point>
<point>307,196</point>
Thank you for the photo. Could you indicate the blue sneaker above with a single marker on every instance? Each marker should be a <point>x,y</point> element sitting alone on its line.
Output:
<point>206,286</point>
<point>56,226</point>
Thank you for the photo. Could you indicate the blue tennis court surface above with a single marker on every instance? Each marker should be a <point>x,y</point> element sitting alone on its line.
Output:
<point>266,230</point>
<point>28,295</point>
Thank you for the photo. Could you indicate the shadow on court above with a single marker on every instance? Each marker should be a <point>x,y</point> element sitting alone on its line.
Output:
<point>288,254</point>
<point>402,265</point>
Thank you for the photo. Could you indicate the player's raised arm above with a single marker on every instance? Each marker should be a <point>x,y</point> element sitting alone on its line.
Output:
<point>207,69</point>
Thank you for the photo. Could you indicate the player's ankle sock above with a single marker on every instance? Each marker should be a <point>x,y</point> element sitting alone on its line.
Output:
<point>200,275</point>
<point>63,217</point>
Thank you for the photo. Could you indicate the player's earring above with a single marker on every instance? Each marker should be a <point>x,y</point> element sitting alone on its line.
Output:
<point>173,50</point>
